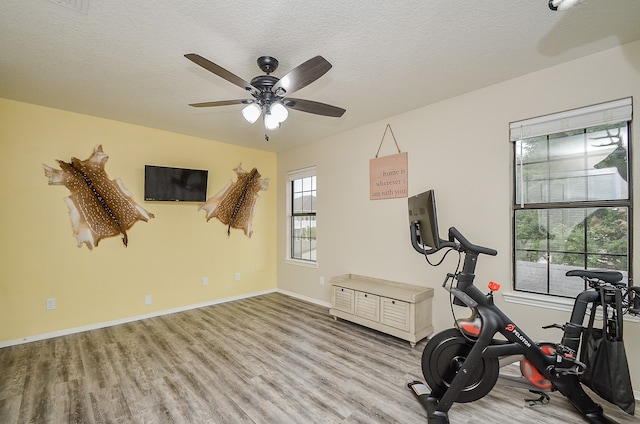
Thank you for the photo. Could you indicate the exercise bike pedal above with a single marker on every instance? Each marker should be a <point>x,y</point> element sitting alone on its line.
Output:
<point>542,400</point>
<point>576,369</point>
<point>569,371</point>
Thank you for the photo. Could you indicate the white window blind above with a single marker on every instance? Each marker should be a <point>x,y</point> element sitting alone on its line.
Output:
<point>603,113</point>
<point>301,173</point>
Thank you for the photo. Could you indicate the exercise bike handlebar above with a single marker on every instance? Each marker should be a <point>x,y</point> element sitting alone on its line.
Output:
<point>456,241</point>
<point>467,246</point>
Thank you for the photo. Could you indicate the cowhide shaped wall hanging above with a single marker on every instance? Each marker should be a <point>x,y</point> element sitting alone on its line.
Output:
<point>235,205</point>
<point>99,207</point>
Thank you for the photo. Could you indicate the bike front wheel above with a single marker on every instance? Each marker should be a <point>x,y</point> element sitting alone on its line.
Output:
<point>443,357</point>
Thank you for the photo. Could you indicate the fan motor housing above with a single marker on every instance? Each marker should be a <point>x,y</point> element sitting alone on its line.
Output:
<point>264,82</point>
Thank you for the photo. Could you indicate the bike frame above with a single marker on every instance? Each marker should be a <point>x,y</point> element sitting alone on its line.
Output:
<point>517,342</point>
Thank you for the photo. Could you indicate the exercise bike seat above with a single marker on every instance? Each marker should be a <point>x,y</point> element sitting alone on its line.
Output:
<point>606,276</point>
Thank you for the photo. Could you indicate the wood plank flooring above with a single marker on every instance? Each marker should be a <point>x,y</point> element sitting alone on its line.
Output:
<point>268,359</point>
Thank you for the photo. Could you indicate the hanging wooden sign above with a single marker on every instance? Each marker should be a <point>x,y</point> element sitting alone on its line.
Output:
<point>388,175</point>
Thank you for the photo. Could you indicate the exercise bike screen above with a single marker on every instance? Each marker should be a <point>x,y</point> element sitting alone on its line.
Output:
<point>422,208</point>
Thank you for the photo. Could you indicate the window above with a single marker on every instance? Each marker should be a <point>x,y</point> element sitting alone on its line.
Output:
<point>572,197</point>
<point>302,215</point>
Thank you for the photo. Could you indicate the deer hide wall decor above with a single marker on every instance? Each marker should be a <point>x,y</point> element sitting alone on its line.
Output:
<point>98,207</point>
<point>235,205</point>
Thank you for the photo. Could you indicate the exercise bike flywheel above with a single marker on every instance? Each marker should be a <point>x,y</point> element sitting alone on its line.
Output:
<point>443,357</point>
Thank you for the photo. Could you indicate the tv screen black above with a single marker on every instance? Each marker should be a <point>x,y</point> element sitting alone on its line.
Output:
<point>163,183</point>
<point>422,208</point>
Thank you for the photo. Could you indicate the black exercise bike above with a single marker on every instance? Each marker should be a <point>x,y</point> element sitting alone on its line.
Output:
<point>462,364</point>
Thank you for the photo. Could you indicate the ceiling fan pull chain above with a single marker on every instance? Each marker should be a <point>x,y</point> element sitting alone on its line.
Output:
<point>394,139</point>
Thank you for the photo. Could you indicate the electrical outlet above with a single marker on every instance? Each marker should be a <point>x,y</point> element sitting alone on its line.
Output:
<point>237,276</point>
<point>51,304</point>
<point>205,281</point>
<point>147,299</point>
<point>322,281</point>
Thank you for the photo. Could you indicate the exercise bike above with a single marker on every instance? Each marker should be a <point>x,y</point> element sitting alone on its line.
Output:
<point>462,364</point>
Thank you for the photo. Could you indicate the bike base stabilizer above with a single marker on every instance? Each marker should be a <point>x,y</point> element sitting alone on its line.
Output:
<point>428,402</point>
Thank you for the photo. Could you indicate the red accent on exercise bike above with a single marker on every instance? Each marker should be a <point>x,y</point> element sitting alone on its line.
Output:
<point>470,328</point>
<point>493,286</point>
<point>531,373</point>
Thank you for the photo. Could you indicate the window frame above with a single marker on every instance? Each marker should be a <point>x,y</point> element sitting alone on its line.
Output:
<point>618,111</point>
<point>291,177</point>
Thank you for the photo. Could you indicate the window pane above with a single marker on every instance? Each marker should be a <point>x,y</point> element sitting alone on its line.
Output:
<point>611,144</point>
<point>564,225</point>
<point>531,272</point>
<point>532,167</point>
<point>304,195</point>
<point>297,186</point>
<point>303,238</point>
<point>550,242</point>
<point>531,231</point>
<point>586,165</point>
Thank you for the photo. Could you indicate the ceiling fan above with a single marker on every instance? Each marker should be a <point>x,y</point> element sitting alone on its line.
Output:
<point>269,93</point>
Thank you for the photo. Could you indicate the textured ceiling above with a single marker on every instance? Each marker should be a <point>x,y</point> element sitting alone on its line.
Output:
<point>124,60</point>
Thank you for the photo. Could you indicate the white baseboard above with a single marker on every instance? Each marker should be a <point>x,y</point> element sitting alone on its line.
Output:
<point>28,339</point>
<point>305,298</point>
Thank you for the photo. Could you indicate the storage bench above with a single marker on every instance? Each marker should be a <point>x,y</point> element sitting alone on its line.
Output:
<point>401,310</point>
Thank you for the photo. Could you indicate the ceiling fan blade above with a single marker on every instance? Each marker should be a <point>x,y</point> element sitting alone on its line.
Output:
<point>310,106</point>
<point>220,71</point>
<point>222,103</point>
<point>303,75</point>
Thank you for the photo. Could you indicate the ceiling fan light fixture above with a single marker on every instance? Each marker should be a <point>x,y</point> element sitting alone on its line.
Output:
<point>251,112</point>
<point>269,92</point>
<point>279,112</point>
<point>271,122</point>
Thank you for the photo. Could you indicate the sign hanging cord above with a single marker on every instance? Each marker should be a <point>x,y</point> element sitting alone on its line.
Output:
<point>394,140</point>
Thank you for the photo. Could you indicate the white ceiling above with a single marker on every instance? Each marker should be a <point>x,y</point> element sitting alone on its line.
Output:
<point>124,60</point>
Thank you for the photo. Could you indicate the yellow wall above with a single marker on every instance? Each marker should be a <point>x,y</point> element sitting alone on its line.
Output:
<point>167,257</point>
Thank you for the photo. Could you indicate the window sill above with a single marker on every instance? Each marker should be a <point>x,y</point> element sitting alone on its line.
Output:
<point>549,302</point>
<point>306,264</point>
<point>539,300</point>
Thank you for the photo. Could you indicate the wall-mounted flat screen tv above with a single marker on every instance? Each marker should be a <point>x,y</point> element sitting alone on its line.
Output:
<point>162,183</point>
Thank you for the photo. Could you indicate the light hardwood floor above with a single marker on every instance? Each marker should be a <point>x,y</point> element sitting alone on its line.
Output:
<point>269,359</point>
